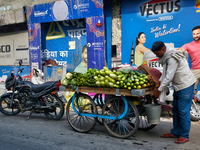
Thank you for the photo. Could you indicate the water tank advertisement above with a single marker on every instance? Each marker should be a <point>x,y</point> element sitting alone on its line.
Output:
<point>170,21</point>
<point>68,33</point>
<point>95,42</point>
<point>65,42</point>
<point>63,10</point>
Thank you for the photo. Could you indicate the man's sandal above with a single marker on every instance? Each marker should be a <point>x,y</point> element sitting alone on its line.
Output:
<point>168,135</point>
<point>181,140</point>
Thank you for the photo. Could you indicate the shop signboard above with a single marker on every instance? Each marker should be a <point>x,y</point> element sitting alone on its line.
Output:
<point>14,47</point>
<point>95,42</point>
<point>64,10</point>
<point>65,51</point>
<point>63,39</point>
<point>34,38</point>
<point>69,51</point>
<point>170,21</point>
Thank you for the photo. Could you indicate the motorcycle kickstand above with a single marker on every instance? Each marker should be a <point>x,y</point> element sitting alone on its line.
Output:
<point>30,114</point>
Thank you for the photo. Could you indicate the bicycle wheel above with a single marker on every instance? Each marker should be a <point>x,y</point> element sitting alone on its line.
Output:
<point>85,105</point>
<point>125,127</point>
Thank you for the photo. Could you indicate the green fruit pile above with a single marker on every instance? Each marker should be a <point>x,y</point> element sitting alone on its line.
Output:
<point>119,79</point>
<point>107,78</point>
<point>74,79</point>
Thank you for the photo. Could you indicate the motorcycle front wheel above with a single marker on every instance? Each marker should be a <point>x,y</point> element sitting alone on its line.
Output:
<point>56,110</point>
<point>8,109</point>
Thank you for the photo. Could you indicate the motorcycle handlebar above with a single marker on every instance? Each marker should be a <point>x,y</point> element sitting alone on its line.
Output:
<point>18,74</point>
<point>20,70</point>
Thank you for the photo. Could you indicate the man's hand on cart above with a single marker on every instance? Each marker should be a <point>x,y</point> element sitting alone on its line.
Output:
<point>156,93</point>
<point>158,85</point>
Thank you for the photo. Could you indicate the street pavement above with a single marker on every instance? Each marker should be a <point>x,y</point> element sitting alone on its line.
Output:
<point>40,133</point>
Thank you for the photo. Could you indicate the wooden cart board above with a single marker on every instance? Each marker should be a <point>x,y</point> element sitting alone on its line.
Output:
<point>112,91</point>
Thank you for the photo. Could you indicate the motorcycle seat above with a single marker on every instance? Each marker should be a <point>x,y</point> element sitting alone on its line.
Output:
<point>38,88</point>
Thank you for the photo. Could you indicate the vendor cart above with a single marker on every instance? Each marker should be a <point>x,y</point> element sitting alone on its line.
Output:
<point>116,110</point>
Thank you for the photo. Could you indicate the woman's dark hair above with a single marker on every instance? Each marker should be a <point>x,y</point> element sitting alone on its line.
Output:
<point>139,34</point>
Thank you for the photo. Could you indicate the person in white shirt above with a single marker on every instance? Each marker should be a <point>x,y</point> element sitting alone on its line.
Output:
<point>177,71</point>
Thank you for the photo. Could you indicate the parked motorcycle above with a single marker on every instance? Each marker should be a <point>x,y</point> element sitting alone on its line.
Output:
<point>195,108</point>
<point>26,96</point>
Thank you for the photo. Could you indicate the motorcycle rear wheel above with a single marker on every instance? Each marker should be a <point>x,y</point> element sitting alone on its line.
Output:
<point>55,112</point>
<point>6,109</point>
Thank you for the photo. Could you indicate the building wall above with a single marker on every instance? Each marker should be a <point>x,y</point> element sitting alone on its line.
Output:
<point>12,11</point>
<point>116,26</point>
<point>18,4</point>
<point>13,47</point>
<point>116,33</point>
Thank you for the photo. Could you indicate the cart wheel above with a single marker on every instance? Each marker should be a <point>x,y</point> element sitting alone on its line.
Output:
<point>124,127</point>
<point>144,125</point>
<point>85,105</point>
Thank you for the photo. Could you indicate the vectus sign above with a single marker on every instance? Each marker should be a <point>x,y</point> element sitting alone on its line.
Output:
<point>151,8</point>
<point>4,48</point>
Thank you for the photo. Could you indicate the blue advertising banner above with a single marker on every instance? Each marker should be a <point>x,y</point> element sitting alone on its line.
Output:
<point>65,48</point>
<point>63,10</point>
<point>5,71</point>
<point>54,73</point>
<point>65,37</point>
<point>95,42</point>
<point>34,46</point>
<point>170,21</point>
